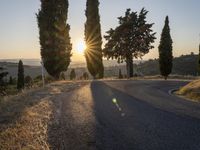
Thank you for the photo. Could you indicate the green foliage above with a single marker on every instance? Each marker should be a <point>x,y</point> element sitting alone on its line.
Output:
<point>38,78</point>
<point>93,53</point>
<point>72,75</point>
<point>3,74</point>
<point>131,39</point>
<point>62,76</point>
<point>85,76</point>
<point>54,36</point>
<point>183,65</point>
<point>120,74</point>
<point>199,62</point>
<point>11,82</point>
<point>20,80</point>
<point>165,51</point>
<point>28,81</point>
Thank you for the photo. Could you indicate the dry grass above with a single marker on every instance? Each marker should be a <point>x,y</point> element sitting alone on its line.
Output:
<point>23,122</point>
<point>26,117</point>
<point>191,91</point>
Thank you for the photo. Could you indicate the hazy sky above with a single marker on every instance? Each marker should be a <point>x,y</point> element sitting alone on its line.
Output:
<point>19,32</point>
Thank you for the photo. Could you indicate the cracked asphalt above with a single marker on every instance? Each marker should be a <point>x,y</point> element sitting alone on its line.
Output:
<point>125,115</point>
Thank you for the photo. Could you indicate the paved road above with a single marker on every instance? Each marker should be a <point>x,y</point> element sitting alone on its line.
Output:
<point>128,115</point>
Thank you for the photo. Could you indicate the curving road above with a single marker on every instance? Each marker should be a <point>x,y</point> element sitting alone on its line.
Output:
<point>128,115</point>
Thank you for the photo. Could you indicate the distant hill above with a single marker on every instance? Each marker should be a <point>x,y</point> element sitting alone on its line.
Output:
<point>183,65</point>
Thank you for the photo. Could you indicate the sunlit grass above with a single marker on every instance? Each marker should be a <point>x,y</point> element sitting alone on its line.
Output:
<point>191,90</point>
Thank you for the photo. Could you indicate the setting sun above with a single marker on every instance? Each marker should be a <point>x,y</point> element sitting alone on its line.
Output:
<point>81,46</point>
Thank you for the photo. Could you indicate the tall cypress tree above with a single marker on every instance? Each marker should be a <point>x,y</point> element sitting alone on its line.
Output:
<point>20,80</point>
<point>54,36</point>
<point>199,62</point>
<point>165,51</point>
<point>93,38</point>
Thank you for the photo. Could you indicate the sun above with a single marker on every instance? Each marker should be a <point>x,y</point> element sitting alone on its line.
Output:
<point>81,46</point>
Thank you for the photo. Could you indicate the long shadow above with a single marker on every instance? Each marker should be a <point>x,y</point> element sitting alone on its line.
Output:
<point>125,122</point>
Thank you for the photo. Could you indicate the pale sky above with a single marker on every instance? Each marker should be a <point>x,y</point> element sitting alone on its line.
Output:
<point>19,31</point>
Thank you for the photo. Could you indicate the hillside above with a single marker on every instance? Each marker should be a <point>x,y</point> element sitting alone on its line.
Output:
<point>183,65</point>
<point>191,91</point>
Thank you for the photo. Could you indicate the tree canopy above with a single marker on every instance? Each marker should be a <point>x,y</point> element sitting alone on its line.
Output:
<point>20,80</point>
<point>133,38</point>
<point>54,36</point>
<point>165,51</point>
<point>93,38</point>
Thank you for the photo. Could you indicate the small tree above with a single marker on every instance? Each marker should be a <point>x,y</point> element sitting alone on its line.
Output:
<point>72,74</point>
<point>62,76</point>
<point>2,75</point>
<point>199,62</point>
<point>120,74</point>
<point>20,80</point>
<point>133,38</point>
<point>28,81</point>
<point>11,80</point>
<point>85,76</point>
<point>165,51</point>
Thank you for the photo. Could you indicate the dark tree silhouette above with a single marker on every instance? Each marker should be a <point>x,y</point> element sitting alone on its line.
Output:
<point>131,39</point>
<point>2,75</point>
<point>28,81</point>
<point>165,51</point>
<point>199,62</point>
<point>62,76</point>
<point>72,75</point>
<point>120,74</point>
<point>93,38</point>
<point>85,76</point>
<point>11,80</point>
<point>20,80</point>
<point>54,36</point>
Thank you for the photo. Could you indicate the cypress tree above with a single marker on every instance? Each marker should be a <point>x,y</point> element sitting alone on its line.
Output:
<point>120,74</point>
<point>20,80</point>
<point>54,36</point>
<point>165,51</point>
<point>93,38</point>
<point>72,74</point>
<point>199,62</point>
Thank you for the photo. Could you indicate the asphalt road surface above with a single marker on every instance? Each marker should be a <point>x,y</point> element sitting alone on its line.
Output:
<point>127,115</point>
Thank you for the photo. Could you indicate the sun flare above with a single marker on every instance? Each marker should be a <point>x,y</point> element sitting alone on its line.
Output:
<point>81,46</point>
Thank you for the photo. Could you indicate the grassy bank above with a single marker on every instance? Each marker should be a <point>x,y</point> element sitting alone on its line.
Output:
<point>23,121</point>
<point>191,91</point>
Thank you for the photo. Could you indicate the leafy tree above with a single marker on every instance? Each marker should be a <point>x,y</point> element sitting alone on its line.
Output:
<point>165,51</point>
<point>85,76</point>
<point>11,80</point>
<point>62,76</point>
<point>72,74</point>
<point>28,81</point>
<point>131,39</point>
<point>120,74</point>
<point>54,36</point>
<point>93,38</point>
<point>20,80</point>
<point>2,75</point>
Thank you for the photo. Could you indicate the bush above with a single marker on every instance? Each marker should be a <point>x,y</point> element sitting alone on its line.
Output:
<point>72,75</point>
<point>28,81</point>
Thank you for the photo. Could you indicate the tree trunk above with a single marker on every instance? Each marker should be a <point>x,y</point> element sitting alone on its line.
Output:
<point>129,66</point>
